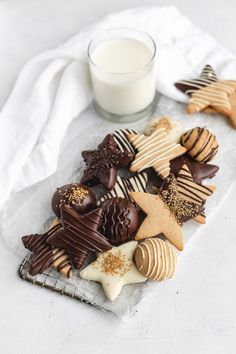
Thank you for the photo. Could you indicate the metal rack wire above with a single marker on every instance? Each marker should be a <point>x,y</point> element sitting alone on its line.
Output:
<point>51,281</point>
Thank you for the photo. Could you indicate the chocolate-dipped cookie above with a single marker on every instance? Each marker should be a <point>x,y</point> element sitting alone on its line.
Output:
<point>207,77</point>
<point>79,235</point>
<point>102,163</point>
<point>181,208</point>
<point>123,186</point>
<point>200,143</point>
<point>121,139</point>
<point>79,197</point>
<point>199,170</point>
<point>120,220</point>
<point>45,256</point>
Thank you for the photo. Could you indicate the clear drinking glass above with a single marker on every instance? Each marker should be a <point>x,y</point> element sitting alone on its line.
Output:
<point>122,63</point>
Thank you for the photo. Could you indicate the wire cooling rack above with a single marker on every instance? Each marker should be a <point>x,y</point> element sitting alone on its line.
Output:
<point>52,281</point>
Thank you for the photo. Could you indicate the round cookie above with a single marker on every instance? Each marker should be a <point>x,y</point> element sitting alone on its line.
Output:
<point>173,128</point>
<point>79,197</point>
<point>200,143</point>
<point>155,259</point>
<point>120,220</point>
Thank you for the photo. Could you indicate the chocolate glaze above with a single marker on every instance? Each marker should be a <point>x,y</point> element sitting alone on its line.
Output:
<point>79,234</point>
<point>120,220</point>
<point>102,164</point>
<point>45,255</point>
<point>78,196</point>
<point>198,170</point>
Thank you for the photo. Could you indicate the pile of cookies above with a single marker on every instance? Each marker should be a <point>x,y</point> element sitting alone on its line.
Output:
<point>130,232</point>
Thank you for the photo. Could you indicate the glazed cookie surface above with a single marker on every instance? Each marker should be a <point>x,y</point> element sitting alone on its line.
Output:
<point>103,163</point>
<point>200,143</point>
<point>119,221</point>
<point>154,151</point>
<point>79,197</point>
<point>114,269</point>
<point>155,259</point>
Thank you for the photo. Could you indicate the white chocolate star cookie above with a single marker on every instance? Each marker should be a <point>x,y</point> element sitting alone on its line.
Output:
<point>113,269</point>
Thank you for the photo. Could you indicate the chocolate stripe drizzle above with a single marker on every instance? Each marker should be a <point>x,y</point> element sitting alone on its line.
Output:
<point>192,191</point>
<point>79,235</point>
<point>122,141</point>
<point>123,187</point>
<point>204,143</point>
<point>207,77</point>
<point>44,255</point>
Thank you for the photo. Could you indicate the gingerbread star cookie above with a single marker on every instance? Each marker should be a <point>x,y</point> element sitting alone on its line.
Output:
<point>102,164</point>
<point>193,192</point>
<point>79,235</point>
<point>154,151</point>
<point>207,77</point>
<point>124,186</point>
<point>114,269</point>
<point>159,219</point>
<point>45,256</point>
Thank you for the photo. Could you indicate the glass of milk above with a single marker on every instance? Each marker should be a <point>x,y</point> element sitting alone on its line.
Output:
<point>121,63</point>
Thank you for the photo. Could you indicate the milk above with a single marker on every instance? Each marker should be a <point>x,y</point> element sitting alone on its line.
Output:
<point>122,75</point>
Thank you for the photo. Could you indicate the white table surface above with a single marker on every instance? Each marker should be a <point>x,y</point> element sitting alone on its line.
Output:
<point>197,310</point>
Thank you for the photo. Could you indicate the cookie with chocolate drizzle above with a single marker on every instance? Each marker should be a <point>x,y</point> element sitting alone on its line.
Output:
<point>45,256</point>
<point>200,143</point>
<point>120,220</point>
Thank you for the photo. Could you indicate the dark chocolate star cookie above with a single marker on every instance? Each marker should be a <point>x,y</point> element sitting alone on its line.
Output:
<point>45,256</point>
<point>102,164</point>
<point>79,235</point>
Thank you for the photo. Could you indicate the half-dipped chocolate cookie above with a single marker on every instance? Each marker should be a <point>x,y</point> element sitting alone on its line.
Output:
<point>79,197</point>
<point>199,170</point>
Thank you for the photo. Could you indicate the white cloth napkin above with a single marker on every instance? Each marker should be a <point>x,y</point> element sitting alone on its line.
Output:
<point>53,88</point>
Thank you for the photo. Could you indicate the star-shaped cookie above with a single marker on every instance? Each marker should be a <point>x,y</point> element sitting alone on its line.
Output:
<point>215,95</point>
<point>102,164</point>
<point>159,219</point>
<point>114,269</point>
<point>154,151</point>
<point>207,77</point>
<point>79,235</point>
<point>124,186</point>
<point>45,256</point>
<point>198,170</point>
<point>192,191</point>
<point>181,208</point>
